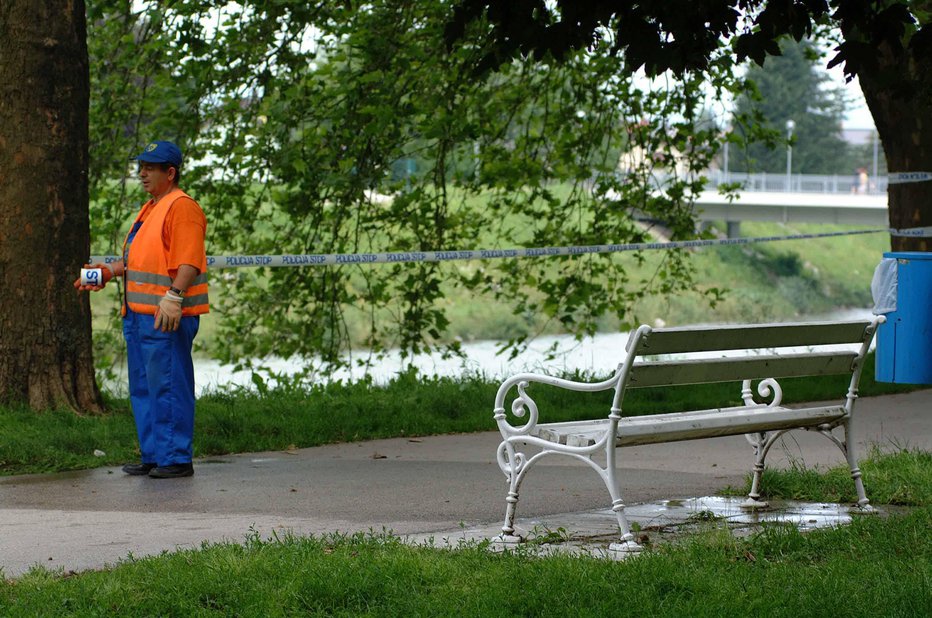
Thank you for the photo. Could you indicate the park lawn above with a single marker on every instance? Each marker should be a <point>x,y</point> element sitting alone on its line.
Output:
<point>877,565</point>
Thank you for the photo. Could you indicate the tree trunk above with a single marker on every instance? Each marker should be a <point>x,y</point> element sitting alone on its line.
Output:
<point>899,94</point>
<point>45,326</point>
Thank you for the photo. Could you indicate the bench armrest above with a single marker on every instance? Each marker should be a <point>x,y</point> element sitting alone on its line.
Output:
<point>523,404</point>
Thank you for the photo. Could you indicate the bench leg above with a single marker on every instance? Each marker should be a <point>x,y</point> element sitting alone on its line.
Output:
<point>761,445</point>
<point>514,465</point>
<point>508,528</point>
<point>851,456</point>
<point>627,543</point>
<point>863,502</point>
<point>753,501</point>
<point>848,449</point>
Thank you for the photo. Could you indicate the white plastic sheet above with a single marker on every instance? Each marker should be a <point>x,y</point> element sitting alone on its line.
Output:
<point>883,286</point>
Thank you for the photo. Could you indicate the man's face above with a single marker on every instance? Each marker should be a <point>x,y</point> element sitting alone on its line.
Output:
<point>155,180</point>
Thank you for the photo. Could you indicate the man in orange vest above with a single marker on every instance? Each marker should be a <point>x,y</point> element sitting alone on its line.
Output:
<point>164,268</point>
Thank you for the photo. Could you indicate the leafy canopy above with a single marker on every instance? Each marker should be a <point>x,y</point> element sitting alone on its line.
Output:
<point>685,36</point>
<point>341,128</point>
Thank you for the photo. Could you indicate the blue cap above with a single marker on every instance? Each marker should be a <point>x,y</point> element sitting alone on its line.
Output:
<point>161,152</point>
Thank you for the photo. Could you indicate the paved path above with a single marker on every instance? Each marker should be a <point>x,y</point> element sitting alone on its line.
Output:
<point>88,519</point>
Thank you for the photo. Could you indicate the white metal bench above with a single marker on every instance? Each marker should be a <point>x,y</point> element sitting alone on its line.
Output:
<point>739,353</point>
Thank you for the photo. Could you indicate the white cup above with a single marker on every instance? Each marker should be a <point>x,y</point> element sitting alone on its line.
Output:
<point>92,276</point>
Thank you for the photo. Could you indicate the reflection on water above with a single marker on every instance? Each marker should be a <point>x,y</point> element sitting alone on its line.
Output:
<point>598,355</point>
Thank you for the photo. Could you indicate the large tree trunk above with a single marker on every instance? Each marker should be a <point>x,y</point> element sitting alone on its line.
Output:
<point>45,330</point>
<point>899,94</point>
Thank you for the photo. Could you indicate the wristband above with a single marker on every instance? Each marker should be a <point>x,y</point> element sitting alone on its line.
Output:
<point>169,295</point>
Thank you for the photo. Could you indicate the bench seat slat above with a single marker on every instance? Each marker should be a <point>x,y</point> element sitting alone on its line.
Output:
<point>699,371</point>
<point>707,339</point>
<point>675,427</point>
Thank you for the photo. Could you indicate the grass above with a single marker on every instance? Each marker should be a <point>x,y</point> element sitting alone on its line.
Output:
<point>874,566</point>
<point>775,281</point>
<point>902,478</point>
<point>243,421</point>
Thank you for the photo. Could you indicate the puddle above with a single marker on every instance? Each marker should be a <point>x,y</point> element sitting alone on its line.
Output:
<point>654,523</point>
<point>667,520</point>
<point>804,515</point>
<point>55,477</point>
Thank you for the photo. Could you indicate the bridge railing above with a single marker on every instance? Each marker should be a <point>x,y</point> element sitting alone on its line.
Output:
<point>798,183</point>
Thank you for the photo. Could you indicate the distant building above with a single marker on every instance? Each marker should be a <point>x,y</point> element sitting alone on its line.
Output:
<point>858,137</point>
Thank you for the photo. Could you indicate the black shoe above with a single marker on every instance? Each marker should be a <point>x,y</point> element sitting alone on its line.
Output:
<point>172,472</point>
<point>140,469</point>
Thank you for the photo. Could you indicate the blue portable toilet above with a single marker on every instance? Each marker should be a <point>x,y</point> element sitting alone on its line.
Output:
<point>904,341</point>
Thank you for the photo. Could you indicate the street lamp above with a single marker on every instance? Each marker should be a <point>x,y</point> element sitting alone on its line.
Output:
<point>790,125</point>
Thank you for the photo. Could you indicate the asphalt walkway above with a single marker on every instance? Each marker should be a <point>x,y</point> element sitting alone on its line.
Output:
<point>440,486</point>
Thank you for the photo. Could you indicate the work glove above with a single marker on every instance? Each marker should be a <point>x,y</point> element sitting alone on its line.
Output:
<point>106,273</point>
<point>168,313</point>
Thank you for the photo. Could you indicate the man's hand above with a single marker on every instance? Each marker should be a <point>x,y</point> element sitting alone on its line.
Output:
<point>106,273</point>
<point>168,313</point>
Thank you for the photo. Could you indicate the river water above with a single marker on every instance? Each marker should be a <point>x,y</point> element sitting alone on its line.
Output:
<point>552,354</point>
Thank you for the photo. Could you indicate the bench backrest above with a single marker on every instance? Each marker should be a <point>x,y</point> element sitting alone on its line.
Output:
<point>764,338</point>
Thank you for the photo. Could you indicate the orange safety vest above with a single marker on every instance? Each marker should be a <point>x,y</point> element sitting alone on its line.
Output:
<point>146,266</point>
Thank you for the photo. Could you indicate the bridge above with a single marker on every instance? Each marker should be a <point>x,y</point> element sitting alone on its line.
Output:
<point>786,207</point>
<point>799,198</point>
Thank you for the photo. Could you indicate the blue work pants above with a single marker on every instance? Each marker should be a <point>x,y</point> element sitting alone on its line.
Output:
<point>161,387</point>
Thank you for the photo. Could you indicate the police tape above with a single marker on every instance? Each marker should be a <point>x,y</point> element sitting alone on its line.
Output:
<point>905,177</point>
<point>334,259</point>
<point>916,232</point>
